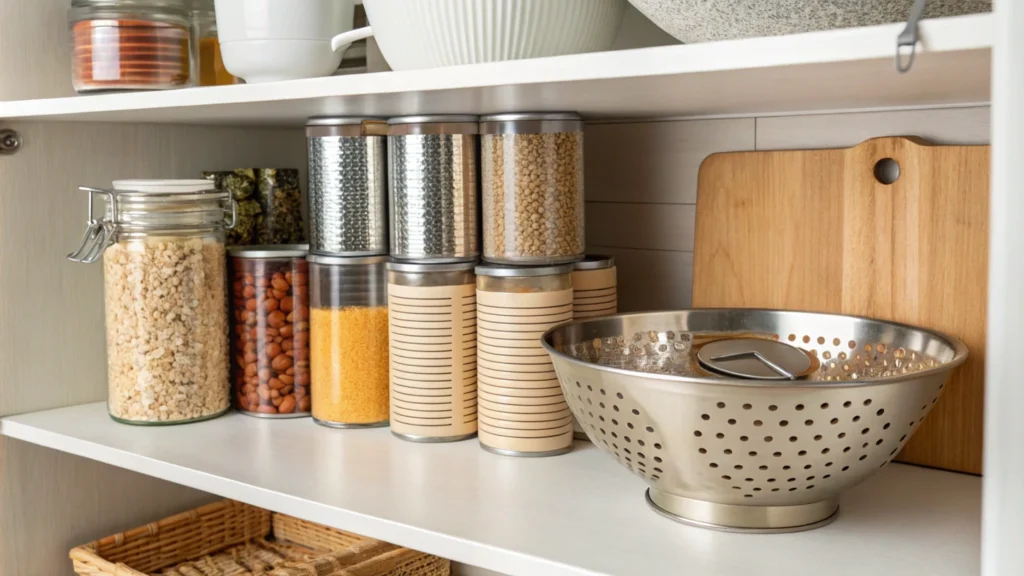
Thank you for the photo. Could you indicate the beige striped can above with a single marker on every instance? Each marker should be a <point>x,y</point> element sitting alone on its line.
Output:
<point>522,411</point>
<point>432,338</point>
<point>595,294</point>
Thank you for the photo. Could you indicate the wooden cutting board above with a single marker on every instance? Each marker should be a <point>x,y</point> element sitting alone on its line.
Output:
<point>817,230</point>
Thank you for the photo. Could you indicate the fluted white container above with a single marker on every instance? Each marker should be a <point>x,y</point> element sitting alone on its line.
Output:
<point>433,33</point>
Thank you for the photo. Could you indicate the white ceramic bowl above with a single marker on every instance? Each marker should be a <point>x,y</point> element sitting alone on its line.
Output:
<point>432,33</point>
<point>708,20</point>
<point>273,60</point>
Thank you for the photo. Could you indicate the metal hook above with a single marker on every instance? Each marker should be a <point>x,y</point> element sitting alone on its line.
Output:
<point>909,37</point>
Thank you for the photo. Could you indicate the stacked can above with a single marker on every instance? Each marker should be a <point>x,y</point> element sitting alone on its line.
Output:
<point>533,229</point>
<point>348,319</point>
<point>594,294</point>
<point>432,175</point>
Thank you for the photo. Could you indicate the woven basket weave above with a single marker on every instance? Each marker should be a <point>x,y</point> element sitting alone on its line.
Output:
<point>229,538</point>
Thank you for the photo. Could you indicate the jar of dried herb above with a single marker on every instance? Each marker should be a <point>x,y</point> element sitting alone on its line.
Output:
<point>269,205</point>
<point>532,173</point>
<point>349,341</point>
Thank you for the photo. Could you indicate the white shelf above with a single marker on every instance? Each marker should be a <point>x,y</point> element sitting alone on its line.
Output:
<point>832,70</point>
<point>578,514</point>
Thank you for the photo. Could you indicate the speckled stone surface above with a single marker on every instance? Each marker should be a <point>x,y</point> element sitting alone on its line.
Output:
<point>707,20</point>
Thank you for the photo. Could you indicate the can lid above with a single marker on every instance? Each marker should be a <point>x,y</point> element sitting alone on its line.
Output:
<point>515,116</point>
<point>505,271</point>
<point>433,119</point>
<point>595,262</point>
<point>164,186</point>
<point>417,267</point>
<point>269,251</point>
<point>341,120</point>
<point>755,358</point>
<point>346,260</point>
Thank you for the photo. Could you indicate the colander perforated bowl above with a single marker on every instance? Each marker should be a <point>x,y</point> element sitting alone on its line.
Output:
<point>747,454</point>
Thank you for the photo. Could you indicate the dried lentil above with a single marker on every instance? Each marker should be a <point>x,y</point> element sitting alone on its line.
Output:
<point>533,197</point>
<point>349,364</point>
<point>167,342</point>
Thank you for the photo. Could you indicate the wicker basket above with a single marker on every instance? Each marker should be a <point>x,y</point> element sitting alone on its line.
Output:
<point>228,538</point>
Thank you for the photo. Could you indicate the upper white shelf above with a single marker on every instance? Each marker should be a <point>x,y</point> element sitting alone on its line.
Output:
<point>579,514</point>
<point>832,70</point>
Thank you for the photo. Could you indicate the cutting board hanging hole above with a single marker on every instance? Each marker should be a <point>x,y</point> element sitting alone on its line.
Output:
<point>887,171</point>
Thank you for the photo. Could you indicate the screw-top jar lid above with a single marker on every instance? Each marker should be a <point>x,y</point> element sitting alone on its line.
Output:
<point>346,260</point>
<point>164,186</point>
<point>434,124</point>
<point>176,11</point>
<point>505,271</point>
<point>342,120</point>
<point>269,251</point>
<point>531,123</point>
<point>412,267</point>
<point>595,262</point>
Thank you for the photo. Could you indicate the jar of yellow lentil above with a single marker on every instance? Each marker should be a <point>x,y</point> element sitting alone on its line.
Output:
<point>348,347</point>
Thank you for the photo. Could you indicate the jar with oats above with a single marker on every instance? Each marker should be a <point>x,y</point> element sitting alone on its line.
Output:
<point>532,172</point>
<point>348,341</point>
<point>164,271</point>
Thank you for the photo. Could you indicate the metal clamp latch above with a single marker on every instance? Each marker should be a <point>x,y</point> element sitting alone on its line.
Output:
<point>909,37</point>
<point>100,232</point>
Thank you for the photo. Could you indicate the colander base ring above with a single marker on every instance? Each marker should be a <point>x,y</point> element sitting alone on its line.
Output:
<point>743,519</point>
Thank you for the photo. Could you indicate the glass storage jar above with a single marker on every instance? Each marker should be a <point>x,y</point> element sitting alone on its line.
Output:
<point>532,171</point>
<point>521,410</point>
<point>432,329</point>
<point>432,177</point>
<point>348,190</point>
<point>270,335</point>
<point>208,66</point>
<point>129,44</point>
<point>269,205</point>
<point>162,243</point>
<point>349,340</point>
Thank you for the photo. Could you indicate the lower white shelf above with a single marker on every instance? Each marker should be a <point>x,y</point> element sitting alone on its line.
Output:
<point>578,514</point>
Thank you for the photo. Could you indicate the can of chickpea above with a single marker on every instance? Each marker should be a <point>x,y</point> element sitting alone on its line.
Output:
<point>270,338</point>
<point>532,175</point>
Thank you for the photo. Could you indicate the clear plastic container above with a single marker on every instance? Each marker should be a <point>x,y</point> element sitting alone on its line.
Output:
<point>164,270</point>
<point>270,333</point>
<point>349,341</point>
<point>432,324</point>
<point>130,45</point>
<point>532,172</point>
<point>208,66</point>
<point>521,409</point>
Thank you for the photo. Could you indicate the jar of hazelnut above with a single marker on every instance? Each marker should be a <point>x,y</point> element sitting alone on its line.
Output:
<point>270,332</point>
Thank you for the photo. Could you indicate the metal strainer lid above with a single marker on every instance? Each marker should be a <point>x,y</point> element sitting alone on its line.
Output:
<point>755,358</point>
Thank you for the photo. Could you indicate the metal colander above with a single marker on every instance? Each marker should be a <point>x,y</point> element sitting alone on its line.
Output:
<point>766,453</point>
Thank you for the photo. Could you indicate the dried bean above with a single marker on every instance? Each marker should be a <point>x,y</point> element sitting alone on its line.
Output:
<point>267,379</point>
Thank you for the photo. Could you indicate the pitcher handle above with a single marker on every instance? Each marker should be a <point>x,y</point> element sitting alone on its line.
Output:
<point>350,37</point>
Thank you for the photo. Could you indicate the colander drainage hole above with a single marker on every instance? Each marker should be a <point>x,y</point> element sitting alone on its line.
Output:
<point>864,445</point>
<point>880,412</point>
<point>807,466</point>
<point>614,407</point>
<point>856,418</point>
<point>727,451</point>
<point>886,427</point>
<point>845,468</point>
<point>640,454</point>
<point>902,438</point>
<point>738,467</point>
<point>601,404</point>
<point>773,408</point>
<point>808,422</point>
<point>737,488</point>
<point>799,407</point>
<point>825,451</point>
<point>601,418</point>
<point>768,438</point>
<point>786,467</point>
<point>771,479</point>
<point>705,417</point>
<point>758,423</point>
<point>817,437</point>
<point>847,404</point>
<point>589,387</point>
<point>783,423</point>
<point>775,489</point>
<point>657,459</point>
<point>614,421</point>
<point>757,489</point>
<point>626,450</point>
<point>602,392</point>
<point>879,443</point>
<point>649,429</point>
<point>640,442</point>
<point>834,421</point>
<point>614,435</point>
<point>626,438</point>
<point>867,402</point>
<point>720,436</point>
<point>618,395</point>
<point>790,479</point>
<point>748,479</point>
<point>862,457</point>
<point>751,453</point>
<point>701,450</point>
<point>792,489</point>
<point>847,449</point>
<point>865,431</point>
<point>828,464</point>
<point>697,433</point>
<point>748,495</point>
<point>720,404</point>
<point>658,470</point>
<point>657,446</point>
<point>629,425</point>
<point>802,453</point>
<point>842,435</point>
<point>744,438</point>
<point>793,438</point>
<point>824,406</point>
<point>747,406</point>
<point>762,467</point>
<point>656,477</point>
<point>811,486</point>
<point>826,476</point>
<point>726,477</point>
